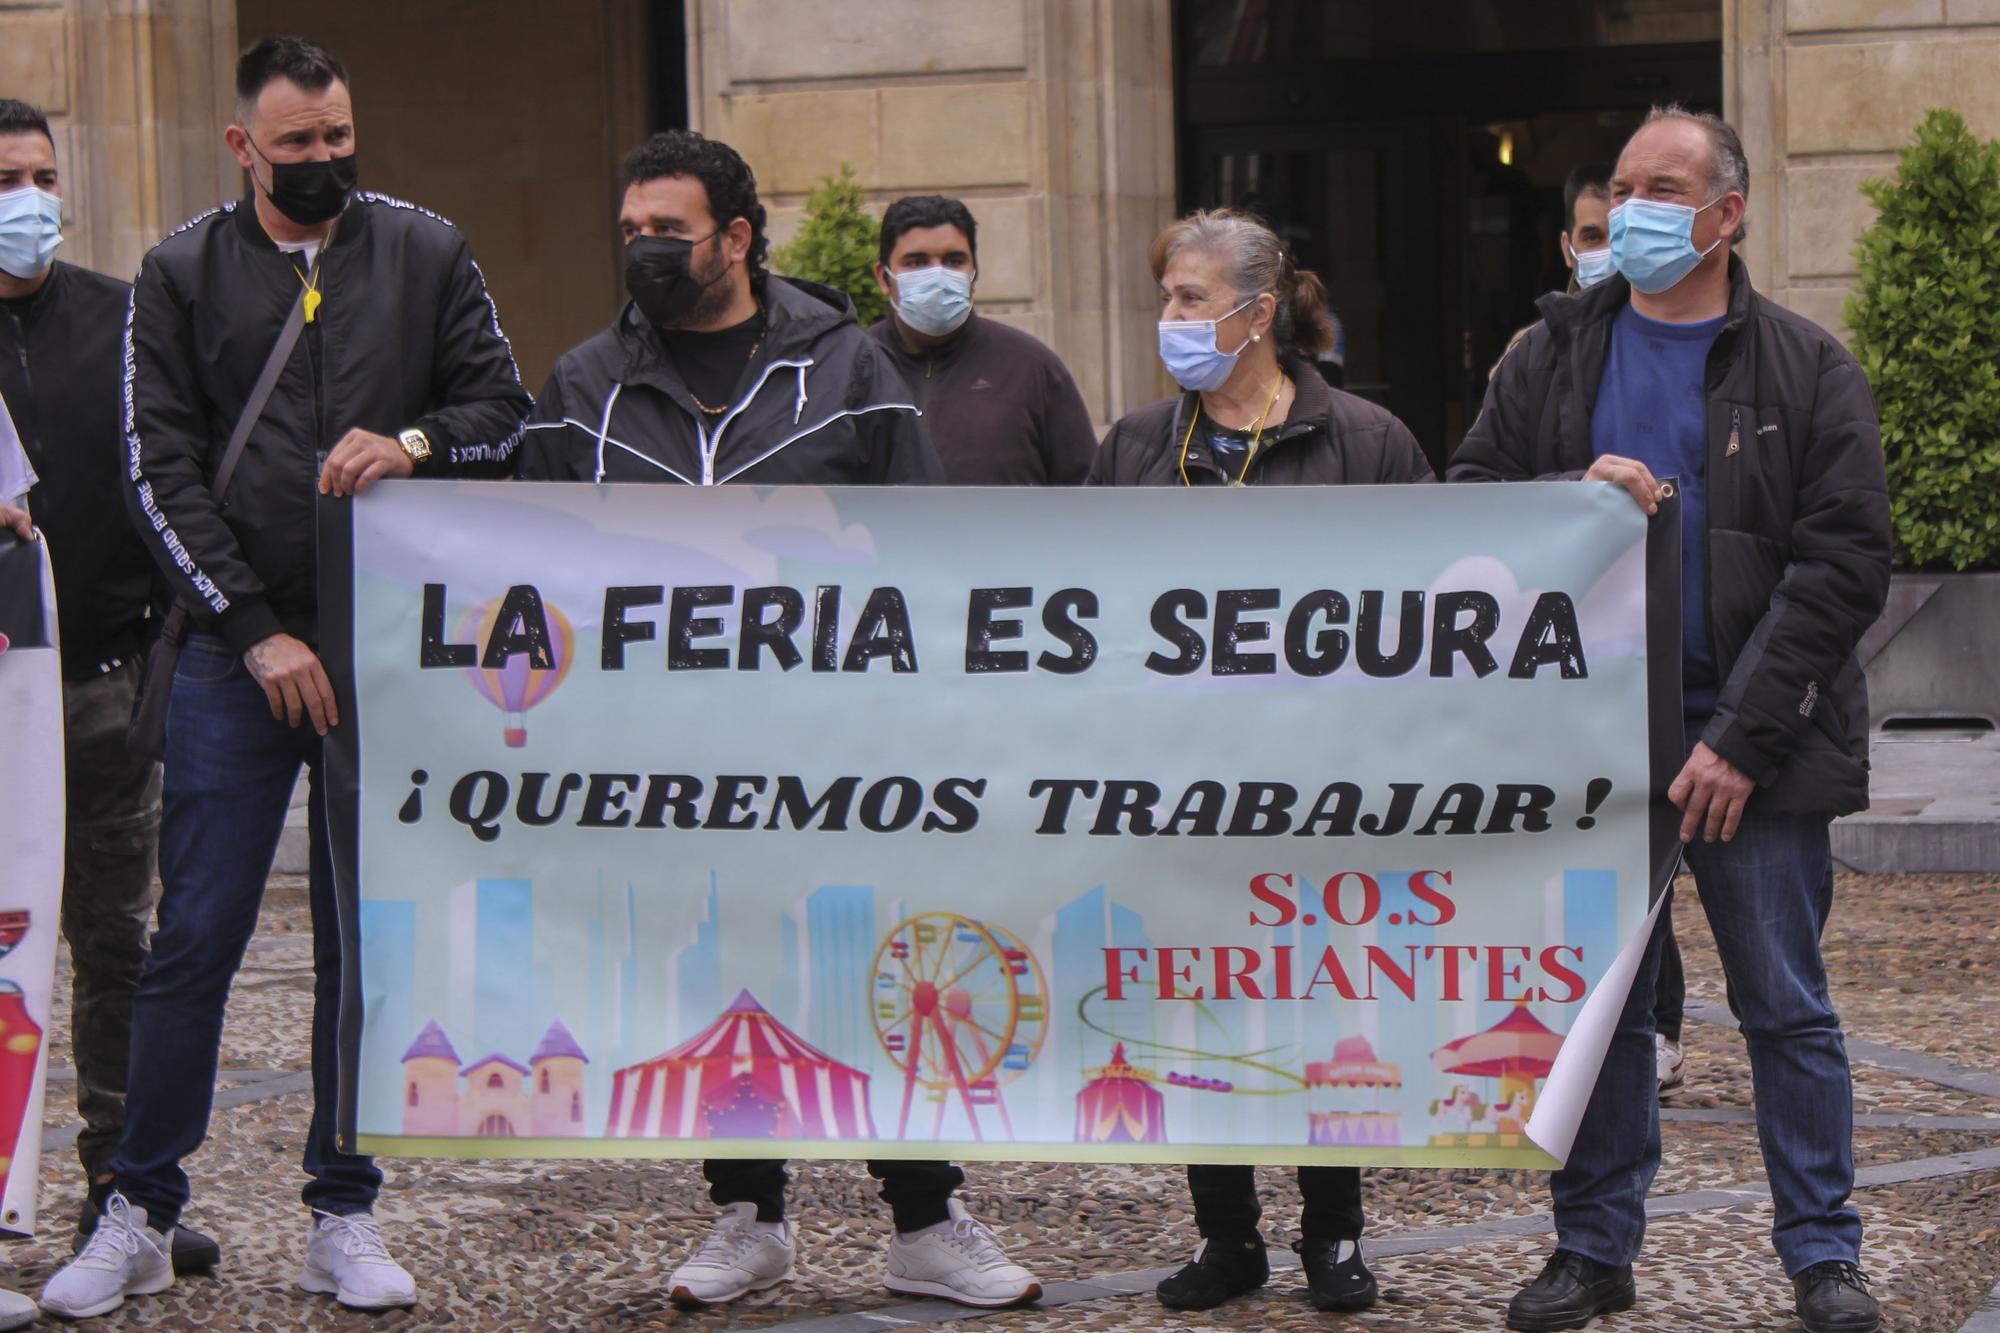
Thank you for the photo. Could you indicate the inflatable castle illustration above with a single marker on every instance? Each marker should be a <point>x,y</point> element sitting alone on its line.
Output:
<point>494,1096</point>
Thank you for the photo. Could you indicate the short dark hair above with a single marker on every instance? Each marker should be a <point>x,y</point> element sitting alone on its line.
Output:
<point>299,60</point>
<point>1592,178</point>
<point>926,210</point>
<point>18,117</point>
<point>1729,165</point>
<point>730,184</point>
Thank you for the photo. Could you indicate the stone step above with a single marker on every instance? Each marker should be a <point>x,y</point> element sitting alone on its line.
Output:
<point>1934,805</point>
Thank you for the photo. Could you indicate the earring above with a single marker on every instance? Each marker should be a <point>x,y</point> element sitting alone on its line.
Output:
<point>1256,337</point>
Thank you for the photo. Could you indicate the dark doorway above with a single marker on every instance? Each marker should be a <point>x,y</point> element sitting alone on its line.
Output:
<point>1415,154</point>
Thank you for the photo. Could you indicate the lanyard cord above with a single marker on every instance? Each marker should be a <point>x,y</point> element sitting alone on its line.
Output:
<point>1255,436</point>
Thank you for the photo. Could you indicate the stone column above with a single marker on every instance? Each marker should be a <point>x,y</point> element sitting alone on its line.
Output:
<point>1824,92</point>
<point>1052,119</point>
<point>137,93</point>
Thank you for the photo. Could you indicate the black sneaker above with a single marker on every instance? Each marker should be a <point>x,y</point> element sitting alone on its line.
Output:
<point>1338,1285</point>
<point>1220,1271</point>
<point>1570,1291</point>
<point>1833,1298</point>
<point>192,1251</point>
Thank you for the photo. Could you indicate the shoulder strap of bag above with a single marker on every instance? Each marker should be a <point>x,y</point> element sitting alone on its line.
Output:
<point>267,379</point>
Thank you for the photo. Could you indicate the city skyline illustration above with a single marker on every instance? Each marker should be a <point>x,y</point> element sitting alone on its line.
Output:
<point>520,955</point>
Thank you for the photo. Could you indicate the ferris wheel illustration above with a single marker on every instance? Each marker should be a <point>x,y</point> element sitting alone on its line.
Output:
<point>961,1007</point>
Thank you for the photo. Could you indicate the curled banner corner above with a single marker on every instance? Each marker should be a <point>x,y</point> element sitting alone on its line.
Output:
<point>1566,1093</point>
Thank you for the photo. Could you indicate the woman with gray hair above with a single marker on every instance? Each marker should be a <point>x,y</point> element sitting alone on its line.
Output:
<point>1241,325</point>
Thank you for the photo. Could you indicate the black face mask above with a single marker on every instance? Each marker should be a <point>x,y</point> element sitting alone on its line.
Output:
<point>310,193</point>
<point>659,275</point>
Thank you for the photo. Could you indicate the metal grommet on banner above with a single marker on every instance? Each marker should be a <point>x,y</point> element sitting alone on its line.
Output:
<point>1666,490</point>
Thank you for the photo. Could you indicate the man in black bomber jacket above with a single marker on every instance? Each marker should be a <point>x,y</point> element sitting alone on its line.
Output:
<point>401,370</point>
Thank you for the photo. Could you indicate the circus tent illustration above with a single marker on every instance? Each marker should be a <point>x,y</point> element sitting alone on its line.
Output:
<point>1345,1097</point>
<point>500,1097</point>
<point>1119,1104</point>
<point>20,1051</point>
<point>1518,1051</point>
<point>744,1076</point>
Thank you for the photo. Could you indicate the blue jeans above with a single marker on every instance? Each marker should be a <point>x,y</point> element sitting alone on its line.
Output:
<point>230,767</point>
<point>1767,894</point>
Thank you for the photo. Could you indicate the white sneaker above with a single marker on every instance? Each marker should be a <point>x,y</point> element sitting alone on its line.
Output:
<point>739,1255</point>
<point>1671,1066</point>
<point>961,1260</point>
<point>345,1258</point>
<point>124,1257</point>
<point>16,1310</point>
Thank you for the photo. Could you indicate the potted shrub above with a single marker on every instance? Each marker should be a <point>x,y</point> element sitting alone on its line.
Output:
<point>836,245</point>
<point>1925,318</point>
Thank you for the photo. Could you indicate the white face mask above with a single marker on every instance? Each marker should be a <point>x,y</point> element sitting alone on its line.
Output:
<point>934,300</point>
<point>1593,266</point>
<point>30,231</point>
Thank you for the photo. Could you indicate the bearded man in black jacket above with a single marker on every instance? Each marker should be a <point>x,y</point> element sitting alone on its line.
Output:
<point>400,370</point>
<point>1677,368</point>
<point>717,371</point>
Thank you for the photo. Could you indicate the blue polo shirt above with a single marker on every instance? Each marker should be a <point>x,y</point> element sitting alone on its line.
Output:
<point>1651,406</point>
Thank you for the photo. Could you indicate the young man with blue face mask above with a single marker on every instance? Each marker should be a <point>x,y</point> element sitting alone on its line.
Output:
<point>1585,240</point>
<point>1001,407</point>
<point>1586,234</point>
<point>1677,368</point>
<point>61,366</point>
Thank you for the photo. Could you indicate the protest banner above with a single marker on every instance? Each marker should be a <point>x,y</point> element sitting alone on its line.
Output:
<point>31,864</point>
<point>1293,825</point>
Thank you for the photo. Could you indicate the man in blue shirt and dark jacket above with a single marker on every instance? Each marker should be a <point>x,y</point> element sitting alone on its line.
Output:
<point>1677,368</point>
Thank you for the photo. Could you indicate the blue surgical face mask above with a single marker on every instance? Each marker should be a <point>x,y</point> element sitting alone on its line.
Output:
<point>1652,242</point>
<point>1193,359</point>
<point>933,301</point>
<point>1592,266</point>
<point>30,231</point>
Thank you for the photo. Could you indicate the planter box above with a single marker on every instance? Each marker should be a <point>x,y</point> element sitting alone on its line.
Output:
<point>1935,653</point>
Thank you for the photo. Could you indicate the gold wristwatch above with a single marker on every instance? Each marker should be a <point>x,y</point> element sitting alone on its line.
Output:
<point>416,444</point>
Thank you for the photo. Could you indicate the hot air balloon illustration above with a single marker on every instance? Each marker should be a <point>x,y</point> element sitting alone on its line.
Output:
<point>519,685</point>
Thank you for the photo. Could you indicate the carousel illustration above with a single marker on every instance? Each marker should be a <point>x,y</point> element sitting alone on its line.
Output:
<point>1517,1053</point>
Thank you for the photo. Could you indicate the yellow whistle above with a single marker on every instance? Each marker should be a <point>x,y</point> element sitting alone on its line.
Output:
<point>312,305</point>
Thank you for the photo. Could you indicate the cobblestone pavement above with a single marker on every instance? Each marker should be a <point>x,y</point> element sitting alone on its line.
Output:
<point>1916,971</point>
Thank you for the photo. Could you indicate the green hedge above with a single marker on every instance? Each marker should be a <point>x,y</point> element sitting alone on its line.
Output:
<point>1925,318</point>
<point>836,244</point>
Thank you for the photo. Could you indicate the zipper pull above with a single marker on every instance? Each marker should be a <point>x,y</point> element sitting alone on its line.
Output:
<point>1735,432</point>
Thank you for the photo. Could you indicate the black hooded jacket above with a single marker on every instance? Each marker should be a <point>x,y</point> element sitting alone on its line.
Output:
<point>823,405</point>
<point>405,336</point>
<point>60,369</point>
<point>1797,515</point>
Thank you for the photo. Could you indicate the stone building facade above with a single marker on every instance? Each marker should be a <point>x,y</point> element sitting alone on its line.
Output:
<point>1055,119</point>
